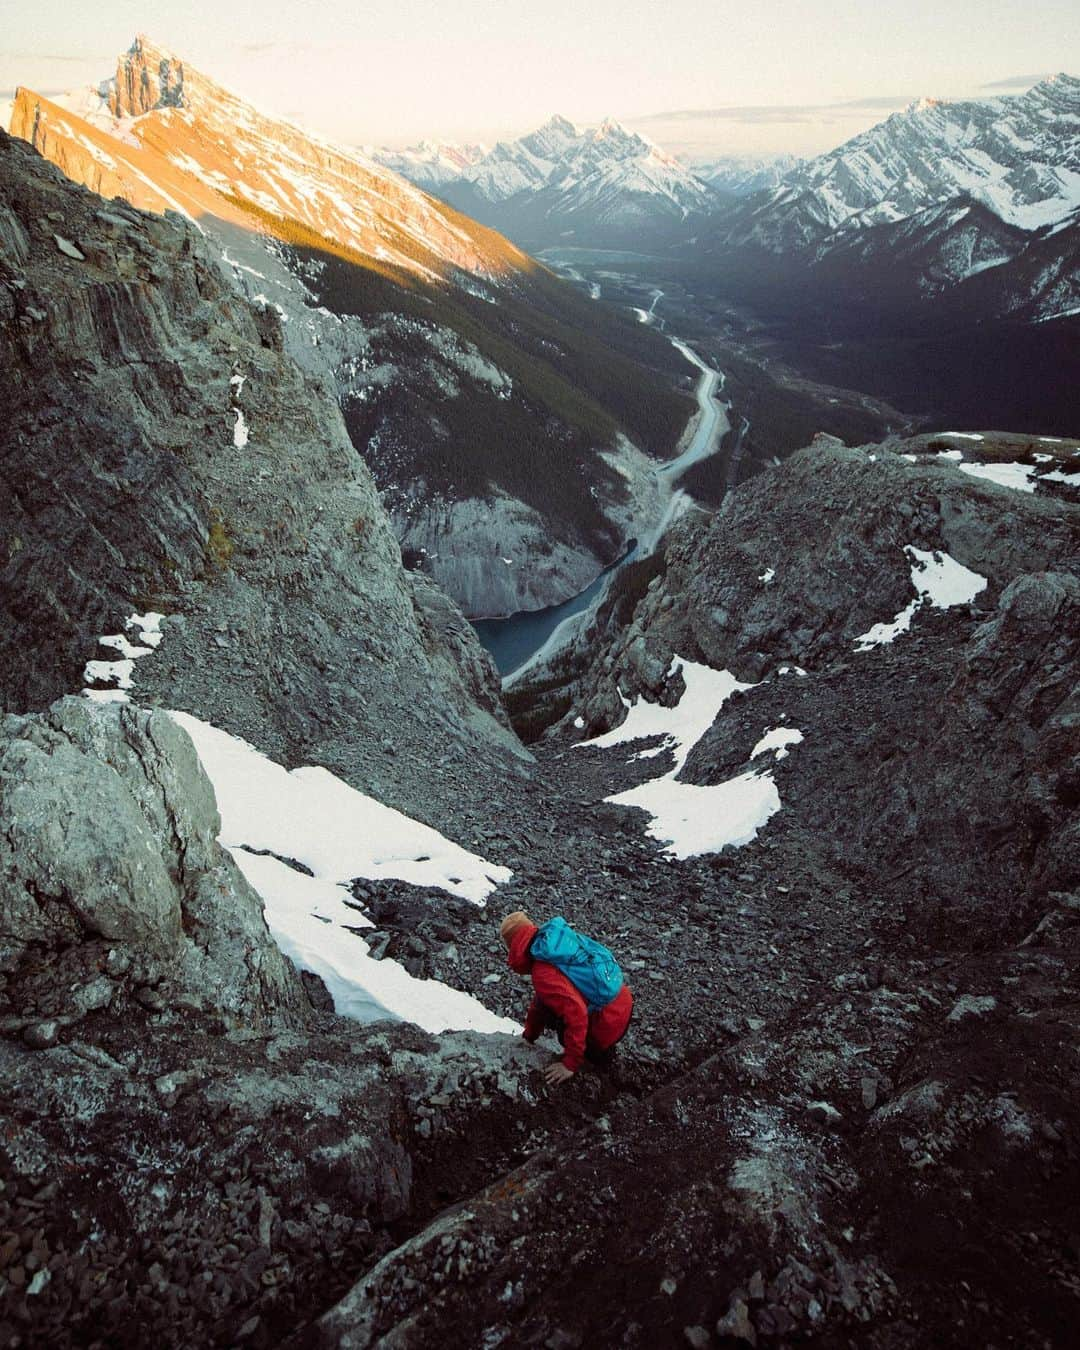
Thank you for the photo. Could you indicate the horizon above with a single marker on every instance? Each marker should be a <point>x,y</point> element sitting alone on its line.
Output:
<point>435,78</point>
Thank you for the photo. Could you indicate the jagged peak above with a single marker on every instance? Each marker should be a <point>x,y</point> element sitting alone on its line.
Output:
<point>146,46</point>
<point>610,126</point>
<point>1061,82</point>
<point>148,76</point>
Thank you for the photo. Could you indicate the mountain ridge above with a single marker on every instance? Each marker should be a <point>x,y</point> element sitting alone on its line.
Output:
<point>595,182</point>
<point>455,355</point>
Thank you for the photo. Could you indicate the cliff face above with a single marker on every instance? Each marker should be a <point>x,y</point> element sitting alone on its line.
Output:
<point>161,451</point>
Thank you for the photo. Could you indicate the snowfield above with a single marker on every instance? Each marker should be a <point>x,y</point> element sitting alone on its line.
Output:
<point>311,817</point>
<point>299,838</point>
<point>939,581</point>
<point>687,818</point>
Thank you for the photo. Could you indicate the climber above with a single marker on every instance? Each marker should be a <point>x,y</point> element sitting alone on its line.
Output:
<point>579,991</point>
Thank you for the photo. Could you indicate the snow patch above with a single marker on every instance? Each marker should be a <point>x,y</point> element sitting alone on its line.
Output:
<point>939,581</point>
<point>686,818</point>
<point>777,740</point>
<point>120,673</point>
<point>1012,475</point>
<point>312,817</point>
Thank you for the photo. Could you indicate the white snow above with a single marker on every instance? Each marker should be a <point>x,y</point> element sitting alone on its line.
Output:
<point>308,920</point>
<point>127,649</point>
<point>689,819</point>
<point>707,691</point>
<point>119,673</point>
<point>963,436</point>
<point>1011,475</point>
<point>1060,476</point>
<point>149,626</point>
<point>106,695</point>
<point>939,581</point>
<point>116,673</point>
<point>881,634</point>
<point>777,740</point>
<point>339,833</point>
<point>237,382</point>
<point>767,575</point>
<point>240,430</point>
<point>314,818</point>
<point>955,455</point>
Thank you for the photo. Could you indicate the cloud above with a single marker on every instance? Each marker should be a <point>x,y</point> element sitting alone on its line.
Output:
<point>1016,82</point>
<point>757,114</point>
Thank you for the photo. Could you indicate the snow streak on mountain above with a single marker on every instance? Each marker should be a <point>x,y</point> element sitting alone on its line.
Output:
<point>165,137</point>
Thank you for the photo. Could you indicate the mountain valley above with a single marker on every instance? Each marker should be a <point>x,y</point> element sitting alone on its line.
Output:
<point>806,755</point>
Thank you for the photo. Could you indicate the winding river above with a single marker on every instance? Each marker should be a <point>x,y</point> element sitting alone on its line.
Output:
<point>523,640</point>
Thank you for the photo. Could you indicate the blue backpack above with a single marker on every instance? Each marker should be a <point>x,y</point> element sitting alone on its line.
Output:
<point>587,964</point>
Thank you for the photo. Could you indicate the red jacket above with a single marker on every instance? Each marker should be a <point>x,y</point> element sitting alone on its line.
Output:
<point>556,995</point>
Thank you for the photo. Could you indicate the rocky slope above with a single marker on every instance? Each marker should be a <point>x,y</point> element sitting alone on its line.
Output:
<point>457,359</point>
<point>161,451</point>
<point>846,1109</point>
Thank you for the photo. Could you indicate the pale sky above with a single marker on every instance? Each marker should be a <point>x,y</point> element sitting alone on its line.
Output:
<point>769,76</point>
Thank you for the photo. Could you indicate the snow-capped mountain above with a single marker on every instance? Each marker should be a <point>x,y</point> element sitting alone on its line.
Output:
<point>1018,155</point>
<point>930,200</point>
<point>165,137</point>
<point>561,180</point>
<point>431,163</point>
<point>455,356</point>
<point>741,175</point>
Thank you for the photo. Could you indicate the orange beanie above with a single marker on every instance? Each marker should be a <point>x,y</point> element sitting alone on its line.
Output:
<point>513,922</point>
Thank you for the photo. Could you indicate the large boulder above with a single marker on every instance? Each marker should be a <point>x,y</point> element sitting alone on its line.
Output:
<point>110,835</point>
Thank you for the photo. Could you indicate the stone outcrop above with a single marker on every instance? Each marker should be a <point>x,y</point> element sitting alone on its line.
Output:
<point>963,729</point>
<point>109,848</point>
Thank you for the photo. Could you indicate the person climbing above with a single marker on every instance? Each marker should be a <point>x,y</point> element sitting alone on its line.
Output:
<point>579,991</point>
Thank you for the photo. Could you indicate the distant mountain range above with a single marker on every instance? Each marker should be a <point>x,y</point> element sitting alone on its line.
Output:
<point>932,197</point>
<point>1019,156</point>
<point>940,194</point>
<point>933,260</point>
<point>459,361</point>
<point>576,184</point>
<point>741,175</point>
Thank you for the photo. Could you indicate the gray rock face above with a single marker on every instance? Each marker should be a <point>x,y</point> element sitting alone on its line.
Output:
<point>110,834</point>
<point>160,450</point>
<point>804,559</point>
<point>920,755</point>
